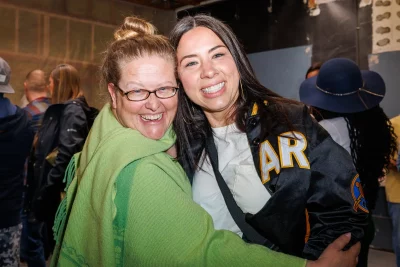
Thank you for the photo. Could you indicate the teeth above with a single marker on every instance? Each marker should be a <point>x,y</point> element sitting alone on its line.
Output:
<point>214,88</point>
<point>155,117</point>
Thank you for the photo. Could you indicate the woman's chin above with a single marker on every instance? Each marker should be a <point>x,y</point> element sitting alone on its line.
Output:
<point>155,134</point>
<point>152,129</point>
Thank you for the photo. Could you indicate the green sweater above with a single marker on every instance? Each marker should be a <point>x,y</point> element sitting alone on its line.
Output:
<point>130,204</point>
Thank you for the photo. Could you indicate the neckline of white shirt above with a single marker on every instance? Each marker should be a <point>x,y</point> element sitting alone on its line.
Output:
<point>231,128</point>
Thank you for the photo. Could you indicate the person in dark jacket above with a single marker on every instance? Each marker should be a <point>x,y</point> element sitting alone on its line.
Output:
<point>345,101</point>
<point>33,232</point>
<point>291,182</point>
<point>16,137</point>
<point>36,91</point>
<point>65,126</point>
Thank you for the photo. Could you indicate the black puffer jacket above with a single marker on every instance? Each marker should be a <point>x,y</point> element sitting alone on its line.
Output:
<point>65,127</point>
<point>314,187</point>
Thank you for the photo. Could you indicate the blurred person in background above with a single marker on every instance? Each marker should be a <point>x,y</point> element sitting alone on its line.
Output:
<point>37,94</point>
<point>392,188</point>
<point>345,101</point>
<point>16,137</point>
<point>33,232</point>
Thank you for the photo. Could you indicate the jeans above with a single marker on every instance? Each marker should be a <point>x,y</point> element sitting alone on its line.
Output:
<point>32,250</point>
<point>394,212</point>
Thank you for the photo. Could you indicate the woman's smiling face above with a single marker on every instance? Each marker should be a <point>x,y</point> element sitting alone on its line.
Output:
<point>208,72</point>
<point>152,116</point>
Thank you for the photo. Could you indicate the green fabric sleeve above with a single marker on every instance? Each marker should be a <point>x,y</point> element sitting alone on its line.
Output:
<point>165,227</point>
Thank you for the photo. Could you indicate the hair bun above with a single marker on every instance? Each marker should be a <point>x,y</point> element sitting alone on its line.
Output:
<point>132,27</point>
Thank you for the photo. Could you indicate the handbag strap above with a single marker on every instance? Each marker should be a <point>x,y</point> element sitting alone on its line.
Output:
<point>237,214</point>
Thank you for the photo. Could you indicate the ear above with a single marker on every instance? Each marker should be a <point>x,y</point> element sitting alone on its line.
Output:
<point>113,96</point>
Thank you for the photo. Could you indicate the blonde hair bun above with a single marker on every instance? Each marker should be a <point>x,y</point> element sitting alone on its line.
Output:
<point>133,27</point>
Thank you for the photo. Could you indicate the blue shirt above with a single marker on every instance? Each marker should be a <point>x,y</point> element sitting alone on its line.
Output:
<point>6,107</point>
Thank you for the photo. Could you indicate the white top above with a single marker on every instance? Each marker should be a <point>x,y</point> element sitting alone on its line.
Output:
<point>237,168</point>
<point>337,128</point>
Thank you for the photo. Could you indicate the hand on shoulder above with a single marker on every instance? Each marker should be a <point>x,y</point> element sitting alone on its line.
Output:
<point>334,256</point>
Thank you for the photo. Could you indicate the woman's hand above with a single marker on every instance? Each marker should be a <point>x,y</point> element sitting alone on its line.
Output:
<point>334,256</point>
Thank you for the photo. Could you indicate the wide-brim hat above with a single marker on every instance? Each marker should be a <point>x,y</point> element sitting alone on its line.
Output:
<point>5,75</point>
<point>342,87</point>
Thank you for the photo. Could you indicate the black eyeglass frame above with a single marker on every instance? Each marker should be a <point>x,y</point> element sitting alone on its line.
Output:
<point>148,93</point>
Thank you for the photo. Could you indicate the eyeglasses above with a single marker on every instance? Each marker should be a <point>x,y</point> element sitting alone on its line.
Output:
<point>142,94</point>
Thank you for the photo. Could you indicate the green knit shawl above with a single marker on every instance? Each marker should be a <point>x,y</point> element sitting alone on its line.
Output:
<point>86,220</point>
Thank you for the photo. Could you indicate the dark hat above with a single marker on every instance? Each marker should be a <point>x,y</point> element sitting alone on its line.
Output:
<point>341,87</point>
<point>5,75</point>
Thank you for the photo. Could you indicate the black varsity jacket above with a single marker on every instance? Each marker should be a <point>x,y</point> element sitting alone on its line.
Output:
<point>316,194</point>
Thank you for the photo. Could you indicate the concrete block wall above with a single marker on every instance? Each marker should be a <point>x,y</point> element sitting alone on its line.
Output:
<point>44,33</point>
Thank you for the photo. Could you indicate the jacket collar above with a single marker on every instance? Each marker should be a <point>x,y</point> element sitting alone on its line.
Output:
<point>254,109</point>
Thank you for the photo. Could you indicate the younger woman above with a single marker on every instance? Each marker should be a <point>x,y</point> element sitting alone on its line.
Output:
<point>291,182</point>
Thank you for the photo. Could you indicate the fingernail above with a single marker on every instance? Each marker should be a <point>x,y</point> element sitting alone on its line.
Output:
<point>348,234</point>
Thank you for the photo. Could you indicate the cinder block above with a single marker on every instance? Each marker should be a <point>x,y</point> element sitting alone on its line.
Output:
<point>24,3</point>
<point>7,28</point>
<point>43,4</point>
<point>102,37</point>
<point>28,33</point>
<point>37,4</point>
<point>122,10</point>
<point>77,7</point>
<point>58,37</point>
<point>80,41</point>
<point>102,10</point>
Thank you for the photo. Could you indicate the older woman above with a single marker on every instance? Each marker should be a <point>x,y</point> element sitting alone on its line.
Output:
<point>260,165</point>
<point>129,202</point>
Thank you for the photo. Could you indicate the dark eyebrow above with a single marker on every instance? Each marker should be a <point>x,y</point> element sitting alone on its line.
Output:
<point>216,47</point>
<point>209,51</point>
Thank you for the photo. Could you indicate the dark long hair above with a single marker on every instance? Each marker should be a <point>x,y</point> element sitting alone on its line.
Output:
<point>190,122</point>
<point>372,143</point>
